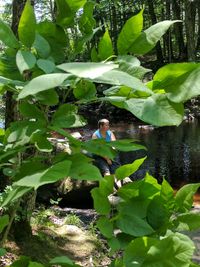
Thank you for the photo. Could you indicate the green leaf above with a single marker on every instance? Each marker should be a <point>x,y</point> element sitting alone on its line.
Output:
<point>87,70</point>
<point>167,195</point>
<point>56,37</point>
<point>27,25</point>
<point>41,142</point>
<point>187,222</point>
<point>63,261</point>
<point>99,147</point>
<point>85,90</point>
<point>87,22</point>
<point>129,33</point>
<point>180,81</point>
<point>157,213</point>
<point>65,16</point>
<point>136,251</point>
<point>148,39</point>
<point>128,169</point>
<point>105,48</point>
<point>82,170</point>
<point>43,83</point>
<point>105,226</point>
<point>94,55</point>
<point>4,220</point>
<point>31,111</point>
<point>53,174</point>
<point>184,197</point>
<point>49,97</point>
<point>7,36</point>
<point>174,250</point>
<point>42,46</point>
<point>117,77</point>
<point>131,65</point>
<point>101,202</point>
<point>14,194</point>
<point>156,109</point>
<point>46,65</point>
<point>25,60</point>
<point>133,225</point>
<point>66,117</point>
<point>126,145</point>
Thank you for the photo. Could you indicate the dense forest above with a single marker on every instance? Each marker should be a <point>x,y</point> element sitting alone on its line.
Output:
<point>58,58</point>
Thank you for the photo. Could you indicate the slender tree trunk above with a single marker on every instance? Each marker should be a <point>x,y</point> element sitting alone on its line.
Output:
<point>154,21</point>
<point>190,28</point>
<point>179,30</point>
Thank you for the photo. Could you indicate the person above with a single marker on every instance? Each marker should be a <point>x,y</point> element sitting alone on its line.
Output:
<point>105,165</point>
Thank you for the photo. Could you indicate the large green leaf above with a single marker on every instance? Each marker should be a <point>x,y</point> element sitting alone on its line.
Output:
<point>65,16</point>
<point>126,145</point>
<point>30,110</point>
<point>187,222</point>
<point>105,48</point>
<point>35,264</point>
<point>148,39</point>
<point>49,97</point>
<point>56,37</point>
<point>81,169</point>
<point>87,22</point>
<point>128,169</point>
<point>47,66</point>
<point>105,226</point>
<point>85,90</point>
<point>15,193</point>
<point>100,195</point>
<point>66,116</point>
<point>25,60</point>
<point>99,147</point>
<point>133,225</point>
<point>117,77</point>
<point>43,83</point>
<point>184,197</point>
<point>42,46</point>
<point>180,81</point>
<point>87,70</point>
<point>53,174</point>
<point>131,65</point>
<point>101,202</point>
<point>156,109</point>
<point>27,25</point>
<point>7,36</point>
<point>63,261</point>
<point>173,251</point>
<point>129,33</point>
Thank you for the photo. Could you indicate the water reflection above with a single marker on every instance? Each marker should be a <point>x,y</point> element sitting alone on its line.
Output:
<point>173,152</point>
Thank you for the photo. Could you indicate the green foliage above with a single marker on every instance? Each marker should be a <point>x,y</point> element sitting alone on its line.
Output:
<point>148,217</point>
<point>27,34</point>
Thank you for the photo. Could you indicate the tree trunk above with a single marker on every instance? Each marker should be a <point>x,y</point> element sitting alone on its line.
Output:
<point>190,10</point>
<point>154,21</point>
<point>179,30</point>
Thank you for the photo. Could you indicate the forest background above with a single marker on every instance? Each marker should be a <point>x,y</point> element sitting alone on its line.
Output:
<point>84,31</point>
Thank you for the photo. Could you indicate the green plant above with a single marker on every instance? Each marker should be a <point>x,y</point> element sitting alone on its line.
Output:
<point>73,219</point>
<point>38,74</point>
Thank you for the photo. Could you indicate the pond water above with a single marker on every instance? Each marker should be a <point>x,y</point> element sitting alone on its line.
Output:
<point>172,152</point>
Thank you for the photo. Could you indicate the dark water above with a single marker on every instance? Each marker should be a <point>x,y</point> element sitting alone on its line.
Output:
<point>172,152</point>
